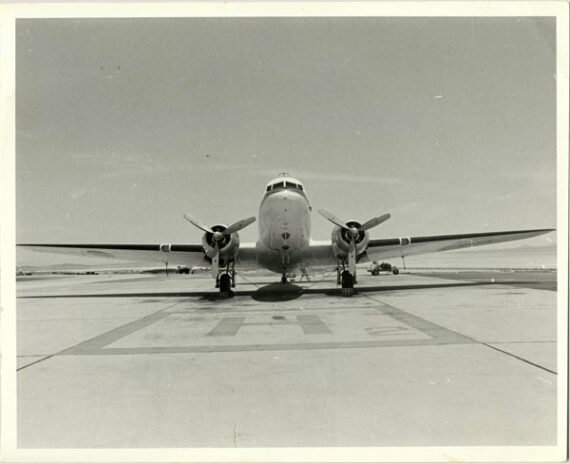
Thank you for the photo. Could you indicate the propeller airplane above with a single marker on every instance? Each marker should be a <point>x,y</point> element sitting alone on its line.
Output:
<point>284,244</point>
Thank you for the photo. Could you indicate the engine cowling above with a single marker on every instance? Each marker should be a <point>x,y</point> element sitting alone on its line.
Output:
<point>228,245</point>
<point>341,240</point>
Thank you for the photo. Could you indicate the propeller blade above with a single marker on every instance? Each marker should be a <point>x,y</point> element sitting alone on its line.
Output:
<point>239,225</point>
<point>374,222</point>
<point>352,258</point>
<point>197,223</point>
<point>332,218</point>
<point>215,260</point>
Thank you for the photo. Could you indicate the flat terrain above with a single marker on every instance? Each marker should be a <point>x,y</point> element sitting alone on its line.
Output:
<point>437,358</point>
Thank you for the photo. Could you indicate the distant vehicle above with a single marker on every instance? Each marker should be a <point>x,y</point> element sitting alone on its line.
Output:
<point>199,269</point>
<point>383,267</point>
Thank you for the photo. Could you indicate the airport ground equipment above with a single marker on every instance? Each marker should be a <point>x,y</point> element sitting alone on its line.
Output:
<point>383,267</point>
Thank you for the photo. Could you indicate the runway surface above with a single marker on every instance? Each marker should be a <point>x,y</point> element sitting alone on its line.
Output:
<point>430,359</point>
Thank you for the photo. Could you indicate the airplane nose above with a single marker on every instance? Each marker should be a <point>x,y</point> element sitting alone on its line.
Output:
<point>284,196</point>
<point>288,210</point>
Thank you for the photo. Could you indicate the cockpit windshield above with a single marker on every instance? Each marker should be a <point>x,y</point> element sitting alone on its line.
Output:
<point>284,184</point>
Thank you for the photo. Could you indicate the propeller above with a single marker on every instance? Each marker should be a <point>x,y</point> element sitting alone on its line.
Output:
<point>215,259</point>
<point>219,235</point>
<point>352,230</point>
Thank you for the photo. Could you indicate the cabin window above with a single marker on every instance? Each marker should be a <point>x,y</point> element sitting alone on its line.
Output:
<point>268,188</point>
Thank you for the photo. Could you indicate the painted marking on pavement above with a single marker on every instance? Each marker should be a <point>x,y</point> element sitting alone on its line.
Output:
<point>313,325</point>
<point>228,326</point>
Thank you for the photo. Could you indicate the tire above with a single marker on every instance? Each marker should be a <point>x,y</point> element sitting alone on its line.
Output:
<point>395,271</point>
<point>347,282</point>
<point>347,291</point>
<point>225,283</point>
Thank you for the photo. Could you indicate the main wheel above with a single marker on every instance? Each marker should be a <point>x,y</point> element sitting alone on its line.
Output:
<point>225,286</point>
<point>347,282</point>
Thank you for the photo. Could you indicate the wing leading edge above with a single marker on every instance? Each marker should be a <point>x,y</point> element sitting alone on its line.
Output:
<point>379,249</point>
<point>409,246</point>
<point>181,255</point>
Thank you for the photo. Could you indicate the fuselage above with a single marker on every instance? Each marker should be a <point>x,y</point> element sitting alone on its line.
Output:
<point>284,225</point>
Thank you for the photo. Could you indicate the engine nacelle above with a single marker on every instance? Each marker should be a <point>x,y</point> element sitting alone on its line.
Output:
<point>341,240</point>
<point>228,246</point>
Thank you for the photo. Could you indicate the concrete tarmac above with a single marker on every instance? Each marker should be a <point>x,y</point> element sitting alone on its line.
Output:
<point>430,359</point>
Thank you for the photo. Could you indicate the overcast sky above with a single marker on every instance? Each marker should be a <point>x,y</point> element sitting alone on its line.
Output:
<point>123,125</point>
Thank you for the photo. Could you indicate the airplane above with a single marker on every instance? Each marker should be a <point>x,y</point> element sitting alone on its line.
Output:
<point>284,243</point>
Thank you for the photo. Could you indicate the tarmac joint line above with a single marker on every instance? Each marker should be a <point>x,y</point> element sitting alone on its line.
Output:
<point>520,358</point>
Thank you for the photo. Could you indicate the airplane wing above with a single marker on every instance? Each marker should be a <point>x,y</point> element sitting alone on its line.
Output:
<point>409,246</point>
<point>178,255</point>
<point>316,255</point>
<point>379,249</point>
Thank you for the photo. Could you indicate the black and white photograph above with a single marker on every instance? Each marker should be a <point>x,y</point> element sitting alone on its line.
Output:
<point>285,232</point>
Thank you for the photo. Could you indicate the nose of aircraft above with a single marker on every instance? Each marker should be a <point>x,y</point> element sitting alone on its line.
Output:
<point>286,201</point>
<point>289,213</point>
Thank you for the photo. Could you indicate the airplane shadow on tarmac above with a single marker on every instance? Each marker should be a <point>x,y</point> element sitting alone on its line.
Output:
<point>274,292</point>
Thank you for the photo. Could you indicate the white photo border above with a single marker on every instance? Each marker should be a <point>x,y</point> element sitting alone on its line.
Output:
<point>9,13</point>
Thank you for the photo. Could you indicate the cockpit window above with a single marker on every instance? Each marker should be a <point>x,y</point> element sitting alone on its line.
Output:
<point>284,184</point>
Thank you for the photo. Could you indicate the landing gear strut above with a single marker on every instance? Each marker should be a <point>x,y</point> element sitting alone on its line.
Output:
<point>283,279</point>
<point>226,280</point>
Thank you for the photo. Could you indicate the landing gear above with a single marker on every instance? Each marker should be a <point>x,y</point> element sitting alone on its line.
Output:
<point>226,280</point>
<point>283,279</point>
<point>347,282</point>
<point>225,285</point>
<point>345,279</point>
